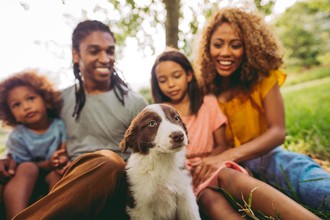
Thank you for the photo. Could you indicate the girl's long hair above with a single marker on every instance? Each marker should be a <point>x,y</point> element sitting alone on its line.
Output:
<point>194,91</point>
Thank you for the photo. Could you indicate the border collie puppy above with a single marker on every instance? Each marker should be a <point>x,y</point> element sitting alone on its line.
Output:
<point>159,185</point>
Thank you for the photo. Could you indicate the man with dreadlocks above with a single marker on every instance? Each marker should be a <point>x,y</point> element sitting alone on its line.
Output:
<point>97,111</point>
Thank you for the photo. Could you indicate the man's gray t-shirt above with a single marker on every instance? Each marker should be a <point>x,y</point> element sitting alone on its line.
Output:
<point>102,122</point>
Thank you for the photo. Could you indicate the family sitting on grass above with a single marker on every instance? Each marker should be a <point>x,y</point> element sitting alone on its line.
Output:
<point>231,104</point>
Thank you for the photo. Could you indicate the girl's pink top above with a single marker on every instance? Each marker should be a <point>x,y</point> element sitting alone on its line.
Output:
<point>201,127</point>
<point>200,134</point>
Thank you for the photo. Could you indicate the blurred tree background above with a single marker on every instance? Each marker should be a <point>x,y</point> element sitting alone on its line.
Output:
<point>303,29</point>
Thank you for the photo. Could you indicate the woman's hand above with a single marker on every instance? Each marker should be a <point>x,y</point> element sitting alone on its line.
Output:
<point>204,169</point>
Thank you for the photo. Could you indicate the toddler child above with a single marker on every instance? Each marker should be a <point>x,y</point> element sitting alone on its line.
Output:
<point>31,105</point>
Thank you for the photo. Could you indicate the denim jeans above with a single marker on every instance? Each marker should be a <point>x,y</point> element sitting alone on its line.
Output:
<point>295,174</point>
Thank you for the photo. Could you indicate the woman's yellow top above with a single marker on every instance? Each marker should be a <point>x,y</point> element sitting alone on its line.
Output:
<point>246,117</point>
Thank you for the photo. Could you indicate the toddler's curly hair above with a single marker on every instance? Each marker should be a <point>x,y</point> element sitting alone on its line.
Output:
<point>261,49</point>
<point>36,81</point>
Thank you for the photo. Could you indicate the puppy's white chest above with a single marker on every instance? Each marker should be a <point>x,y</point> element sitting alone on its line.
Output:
<point>160,188</point>
<point>153,199</point>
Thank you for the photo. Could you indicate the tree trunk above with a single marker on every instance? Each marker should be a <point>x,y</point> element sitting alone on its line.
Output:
<point>172,22</point>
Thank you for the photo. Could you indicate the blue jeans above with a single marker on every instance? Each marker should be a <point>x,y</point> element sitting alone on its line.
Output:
<point>295,174</point>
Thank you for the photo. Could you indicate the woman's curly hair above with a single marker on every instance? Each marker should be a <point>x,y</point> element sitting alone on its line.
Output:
<point>261,50</point>
<point>31,79</point>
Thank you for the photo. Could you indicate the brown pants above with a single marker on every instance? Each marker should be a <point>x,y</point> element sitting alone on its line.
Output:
<point>94,187</point>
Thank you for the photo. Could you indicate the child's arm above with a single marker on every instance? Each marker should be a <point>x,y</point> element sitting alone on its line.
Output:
<point>7,168</point>
<point>220,141</point>
<point>201,173</point>
<point>60,159</point>
<point>58,155</point>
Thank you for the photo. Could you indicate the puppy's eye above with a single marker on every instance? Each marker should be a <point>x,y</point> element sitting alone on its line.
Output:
<point>177,118</point>
<point>152,124</point>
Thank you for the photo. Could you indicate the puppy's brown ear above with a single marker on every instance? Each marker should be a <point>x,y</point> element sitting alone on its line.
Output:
<point>182,123</point>
<point>127,141</point>
<point>130,137</point>
<point>123,146</point>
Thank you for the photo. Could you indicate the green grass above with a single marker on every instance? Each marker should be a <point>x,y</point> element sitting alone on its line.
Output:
<point>308,120</point>
<point>296,77</point>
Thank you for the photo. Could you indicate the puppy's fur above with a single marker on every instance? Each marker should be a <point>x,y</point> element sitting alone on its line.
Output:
<point>159,184</point>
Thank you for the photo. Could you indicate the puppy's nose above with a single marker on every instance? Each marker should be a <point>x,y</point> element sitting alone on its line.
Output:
<point>177,136</point>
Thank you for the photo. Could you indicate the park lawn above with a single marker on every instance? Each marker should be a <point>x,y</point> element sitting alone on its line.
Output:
<point>307,75</point>
<point>308,120</point>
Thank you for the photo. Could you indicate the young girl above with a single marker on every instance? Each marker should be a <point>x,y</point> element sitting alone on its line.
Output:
<point>173,82</point>
<point>239,61</point>
<point>30,105</point>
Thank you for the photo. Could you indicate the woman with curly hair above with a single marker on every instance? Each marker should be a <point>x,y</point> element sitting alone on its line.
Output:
<point>30,105</point>
<point>173,82</point>
<point>239,61</point>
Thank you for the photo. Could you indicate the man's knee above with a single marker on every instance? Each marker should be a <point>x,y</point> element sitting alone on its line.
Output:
<point>103,161</point>
<point>113,157</point>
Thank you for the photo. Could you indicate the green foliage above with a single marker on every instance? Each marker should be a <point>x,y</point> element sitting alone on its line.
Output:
<point>128,18</point>
<point>265,6</point>
<point>325,58</point>
<point>303,48</point>
<point>146,93</point>
<point>305,32</point>
<point>136,19</point>
<point>304,28</point>
<point>320,5</point>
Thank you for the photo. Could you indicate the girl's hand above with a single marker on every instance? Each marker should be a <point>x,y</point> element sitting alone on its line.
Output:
<point>204,170</point>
